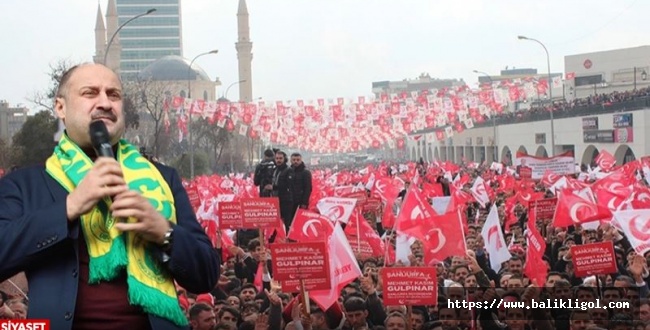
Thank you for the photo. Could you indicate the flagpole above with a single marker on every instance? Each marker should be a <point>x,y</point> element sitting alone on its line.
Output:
<point>359,234</point>
<point>409,312</point>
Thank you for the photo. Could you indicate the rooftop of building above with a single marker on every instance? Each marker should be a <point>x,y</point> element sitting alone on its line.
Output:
<point>173,68</point>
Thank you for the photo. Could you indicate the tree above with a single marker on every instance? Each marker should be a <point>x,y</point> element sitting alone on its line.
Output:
<point>182,165</point>
<point>210,138</point>
<point>6,155</point>
<point>44,100</point>
<point>33,144</point>
<point>149,97</point>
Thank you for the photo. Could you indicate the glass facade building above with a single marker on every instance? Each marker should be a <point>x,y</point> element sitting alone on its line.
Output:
<point>150,37</point>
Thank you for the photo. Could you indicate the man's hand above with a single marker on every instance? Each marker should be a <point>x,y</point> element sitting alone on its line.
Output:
<point>151,225</point>
<point>274,299</point>
<point>268,187</point>
<point>296,311</point>
<point>276,287</point>
<point>105,179</point>
<point>236,251</point>
<point>262,322</point>
<point>636,267</point>
<point>472,263</point>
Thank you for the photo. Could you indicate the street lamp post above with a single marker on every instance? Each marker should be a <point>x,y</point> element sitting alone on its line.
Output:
<point>550,89</point>
<point>233,84</point>
<point>110,42</point>
<point>189,96</point>
<point>232,150</point>
<point>495,152</point>
<point>644,76</point>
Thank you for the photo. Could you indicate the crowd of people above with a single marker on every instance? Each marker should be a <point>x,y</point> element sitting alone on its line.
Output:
<point>111,243</point>
<point>562,107</point>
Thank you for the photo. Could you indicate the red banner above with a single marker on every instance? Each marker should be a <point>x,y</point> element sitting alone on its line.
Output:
<point>409,286</point>
<point>372,205</point>
<point>363,250</point>
<point>525,172</point>
<point>195,199</point>
<point>293,262</point>
<point>593,259</point>
<point>260,212</point>
<point>360,196</point>
<point>230,215</point>
<point>544,208</point>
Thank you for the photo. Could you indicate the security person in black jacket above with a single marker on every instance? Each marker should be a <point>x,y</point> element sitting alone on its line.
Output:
<point>301,183</point>
<point>282,187</point>
<point>264,173</point>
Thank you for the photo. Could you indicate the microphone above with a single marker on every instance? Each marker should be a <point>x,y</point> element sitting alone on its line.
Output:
<point>100,139</point>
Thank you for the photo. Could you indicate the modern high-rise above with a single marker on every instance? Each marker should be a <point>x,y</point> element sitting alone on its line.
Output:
<point>145,39</point>
<point>11,120</point>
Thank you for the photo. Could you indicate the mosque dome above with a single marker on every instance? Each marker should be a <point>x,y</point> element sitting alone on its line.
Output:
<point>172,68</point>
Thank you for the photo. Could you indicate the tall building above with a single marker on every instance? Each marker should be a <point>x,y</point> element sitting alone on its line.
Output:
<point>11,120</point>
<point>244,48</point>
<point>142,41</point>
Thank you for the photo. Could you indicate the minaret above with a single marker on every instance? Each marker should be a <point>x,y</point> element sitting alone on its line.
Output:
<point>100,36</point>
<point>244,47</point>
<point>112,23</point>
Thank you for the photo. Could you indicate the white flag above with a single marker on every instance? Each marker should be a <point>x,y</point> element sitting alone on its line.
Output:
<point>338,209</point>
<point>635,225</point>
<point>479,191</point>
<point>495,243</point>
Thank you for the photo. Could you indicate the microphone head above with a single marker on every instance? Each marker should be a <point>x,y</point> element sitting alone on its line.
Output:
<point>98,133</point>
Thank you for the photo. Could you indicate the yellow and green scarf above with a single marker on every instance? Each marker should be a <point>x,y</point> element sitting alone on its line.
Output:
<point>112,251</point>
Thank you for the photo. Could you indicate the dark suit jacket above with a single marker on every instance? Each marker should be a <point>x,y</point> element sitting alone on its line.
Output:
<point>35,237</point>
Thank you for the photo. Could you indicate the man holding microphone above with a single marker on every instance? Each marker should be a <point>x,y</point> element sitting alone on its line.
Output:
<point>101,232</point>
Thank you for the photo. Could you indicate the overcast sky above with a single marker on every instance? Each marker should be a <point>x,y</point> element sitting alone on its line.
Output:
<point>308,49</point>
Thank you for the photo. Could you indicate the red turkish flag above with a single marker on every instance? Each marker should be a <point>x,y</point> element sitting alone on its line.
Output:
<point>578,206</point>
<point>310,226</point>
<point>414,208</point>
<point>535,268</point>
<point>527,196</point>
<point>514,93</point>
<point>386,189</point>
<point>441,235</point>
<point>431,190</point>
<point>366,234</point>
<point>638,200</point>
<point>613,189</point>
<point>549,178</point>
<point>605,161</point>
<point>177,102</point>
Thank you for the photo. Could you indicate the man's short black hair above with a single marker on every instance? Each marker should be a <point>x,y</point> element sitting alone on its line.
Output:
<point>269,153</point>
<point>197,309</point>
<point>354,304</point>
<point>296,154</point>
